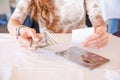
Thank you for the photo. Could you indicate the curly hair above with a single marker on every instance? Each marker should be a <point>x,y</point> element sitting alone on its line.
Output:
<point>43,10</point>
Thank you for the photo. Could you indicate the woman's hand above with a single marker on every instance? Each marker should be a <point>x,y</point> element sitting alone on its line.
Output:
<point>99,39</point>
<point>26,35</point>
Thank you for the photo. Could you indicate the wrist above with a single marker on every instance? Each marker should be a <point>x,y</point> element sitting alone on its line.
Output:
<point>18,30</point>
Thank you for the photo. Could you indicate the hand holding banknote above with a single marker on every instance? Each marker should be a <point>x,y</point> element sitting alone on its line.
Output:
<point>26,35</point>
<point>29,39</point>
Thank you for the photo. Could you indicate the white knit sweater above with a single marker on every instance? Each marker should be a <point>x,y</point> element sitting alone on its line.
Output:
<point>72,13</point>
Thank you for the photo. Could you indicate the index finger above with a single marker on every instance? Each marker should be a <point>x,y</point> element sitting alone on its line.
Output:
<point>34,35</point>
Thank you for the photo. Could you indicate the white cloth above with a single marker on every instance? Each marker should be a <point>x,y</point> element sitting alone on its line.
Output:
<point>5,73</point>
<point>19,64</point>
<point>112,74</point>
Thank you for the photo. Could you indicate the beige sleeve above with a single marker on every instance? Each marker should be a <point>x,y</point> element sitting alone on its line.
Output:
<point>21,11</point>
<point>93,10</point>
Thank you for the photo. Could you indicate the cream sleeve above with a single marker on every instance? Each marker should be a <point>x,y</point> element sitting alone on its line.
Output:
<point>93,9</point>
<point>21,11</point>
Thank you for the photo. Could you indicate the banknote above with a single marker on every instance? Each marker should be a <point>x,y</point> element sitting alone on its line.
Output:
<point>46,40</point>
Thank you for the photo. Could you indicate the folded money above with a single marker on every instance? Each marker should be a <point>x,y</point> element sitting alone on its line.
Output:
<point>46,40</point>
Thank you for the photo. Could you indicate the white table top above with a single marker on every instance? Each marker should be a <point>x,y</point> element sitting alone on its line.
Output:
<point>19,64</point>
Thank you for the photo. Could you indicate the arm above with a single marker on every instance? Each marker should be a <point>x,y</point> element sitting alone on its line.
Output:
<point>100,37</point>
<point>18,16</point>
<point>94,12</point>
<point>16,21</point>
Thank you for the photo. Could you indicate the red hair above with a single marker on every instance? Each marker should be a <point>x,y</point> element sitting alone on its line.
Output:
<point>42,10</point>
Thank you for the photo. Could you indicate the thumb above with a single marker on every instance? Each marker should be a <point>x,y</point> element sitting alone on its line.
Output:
<point>29,32</point>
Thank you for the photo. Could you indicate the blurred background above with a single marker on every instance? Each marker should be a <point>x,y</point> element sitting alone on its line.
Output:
<point>5,13</point>
<point>110,10</point>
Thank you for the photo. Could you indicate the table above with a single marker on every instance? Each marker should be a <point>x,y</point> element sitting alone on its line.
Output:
<point>42,64</point>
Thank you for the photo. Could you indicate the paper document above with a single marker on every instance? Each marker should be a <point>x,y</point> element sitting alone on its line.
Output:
<point>80,35</point>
